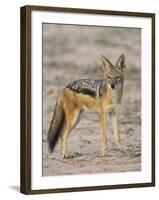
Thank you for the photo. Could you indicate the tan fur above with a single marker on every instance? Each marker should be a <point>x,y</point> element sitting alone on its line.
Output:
<point>73,102</point>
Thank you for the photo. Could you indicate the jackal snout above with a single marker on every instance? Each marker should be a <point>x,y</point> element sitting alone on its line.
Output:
<point>112,86</point>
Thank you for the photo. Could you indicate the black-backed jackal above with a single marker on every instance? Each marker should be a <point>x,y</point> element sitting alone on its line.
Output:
<point>101,96</point>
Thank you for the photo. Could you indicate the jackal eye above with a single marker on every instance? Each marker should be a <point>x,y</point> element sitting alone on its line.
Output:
<point>117,78</point>
<point>109,77</point>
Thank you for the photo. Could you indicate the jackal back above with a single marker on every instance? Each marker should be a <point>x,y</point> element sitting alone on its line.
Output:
<point>93,88</point>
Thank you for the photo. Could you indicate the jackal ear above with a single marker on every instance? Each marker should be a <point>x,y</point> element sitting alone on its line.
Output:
<point>120,64</point>
<point>106,64</point>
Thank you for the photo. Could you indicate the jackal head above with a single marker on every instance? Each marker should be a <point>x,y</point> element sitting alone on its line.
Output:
<point>114,74</point>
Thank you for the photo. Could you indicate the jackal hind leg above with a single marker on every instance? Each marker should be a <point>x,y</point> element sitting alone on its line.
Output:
<point>71,122</point>
<point>103,132</point>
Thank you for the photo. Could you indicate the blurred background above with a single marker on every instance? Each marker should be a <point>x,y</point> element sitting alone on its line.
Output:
<point>73,52</point>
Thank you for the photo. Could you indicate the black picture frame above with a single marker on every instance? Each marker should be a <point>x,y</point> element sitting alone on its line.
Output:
<point>25,182</point>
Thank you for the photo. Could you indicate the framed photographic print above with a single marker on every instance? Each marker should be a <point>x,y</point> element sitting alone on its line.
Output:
<point>87,99</point>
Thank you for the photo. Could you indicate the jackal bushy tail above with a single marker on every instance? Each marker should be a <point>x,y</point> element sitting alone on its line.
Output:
<point>56,126</point>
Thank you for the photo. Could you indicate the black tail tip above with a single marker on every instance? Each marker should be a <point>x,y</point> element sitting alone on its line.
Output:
<point>50,145</point>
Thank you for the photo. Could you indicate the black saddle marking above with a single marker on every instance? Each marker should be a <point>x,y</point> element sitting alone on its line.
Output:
<point>88,87</point>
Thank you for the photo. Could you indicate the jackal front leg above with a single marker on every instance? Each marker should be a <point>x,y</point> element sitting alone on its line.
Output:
<point>114,122</point>
<point>103,132</point>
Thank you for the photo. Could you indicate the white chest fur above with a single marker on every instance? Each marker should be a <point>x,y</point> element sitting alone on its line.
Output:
<point>112,108</point>
<point>116,93</point>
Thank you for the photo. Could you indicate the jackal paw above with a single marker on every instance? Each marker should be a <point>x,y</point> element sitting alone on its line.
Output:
<point>104,152</point>
<point>67,156</point>
<point>121,148</point>
<point>119,145</point>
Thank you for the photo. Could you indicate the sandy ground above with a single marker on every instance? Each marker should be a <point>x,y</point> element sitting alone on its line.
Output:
<point>73,52</point>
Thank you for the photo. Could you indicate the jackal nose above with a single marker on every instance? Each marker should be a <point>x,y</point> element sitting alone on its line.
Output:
<point>112,86</point>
